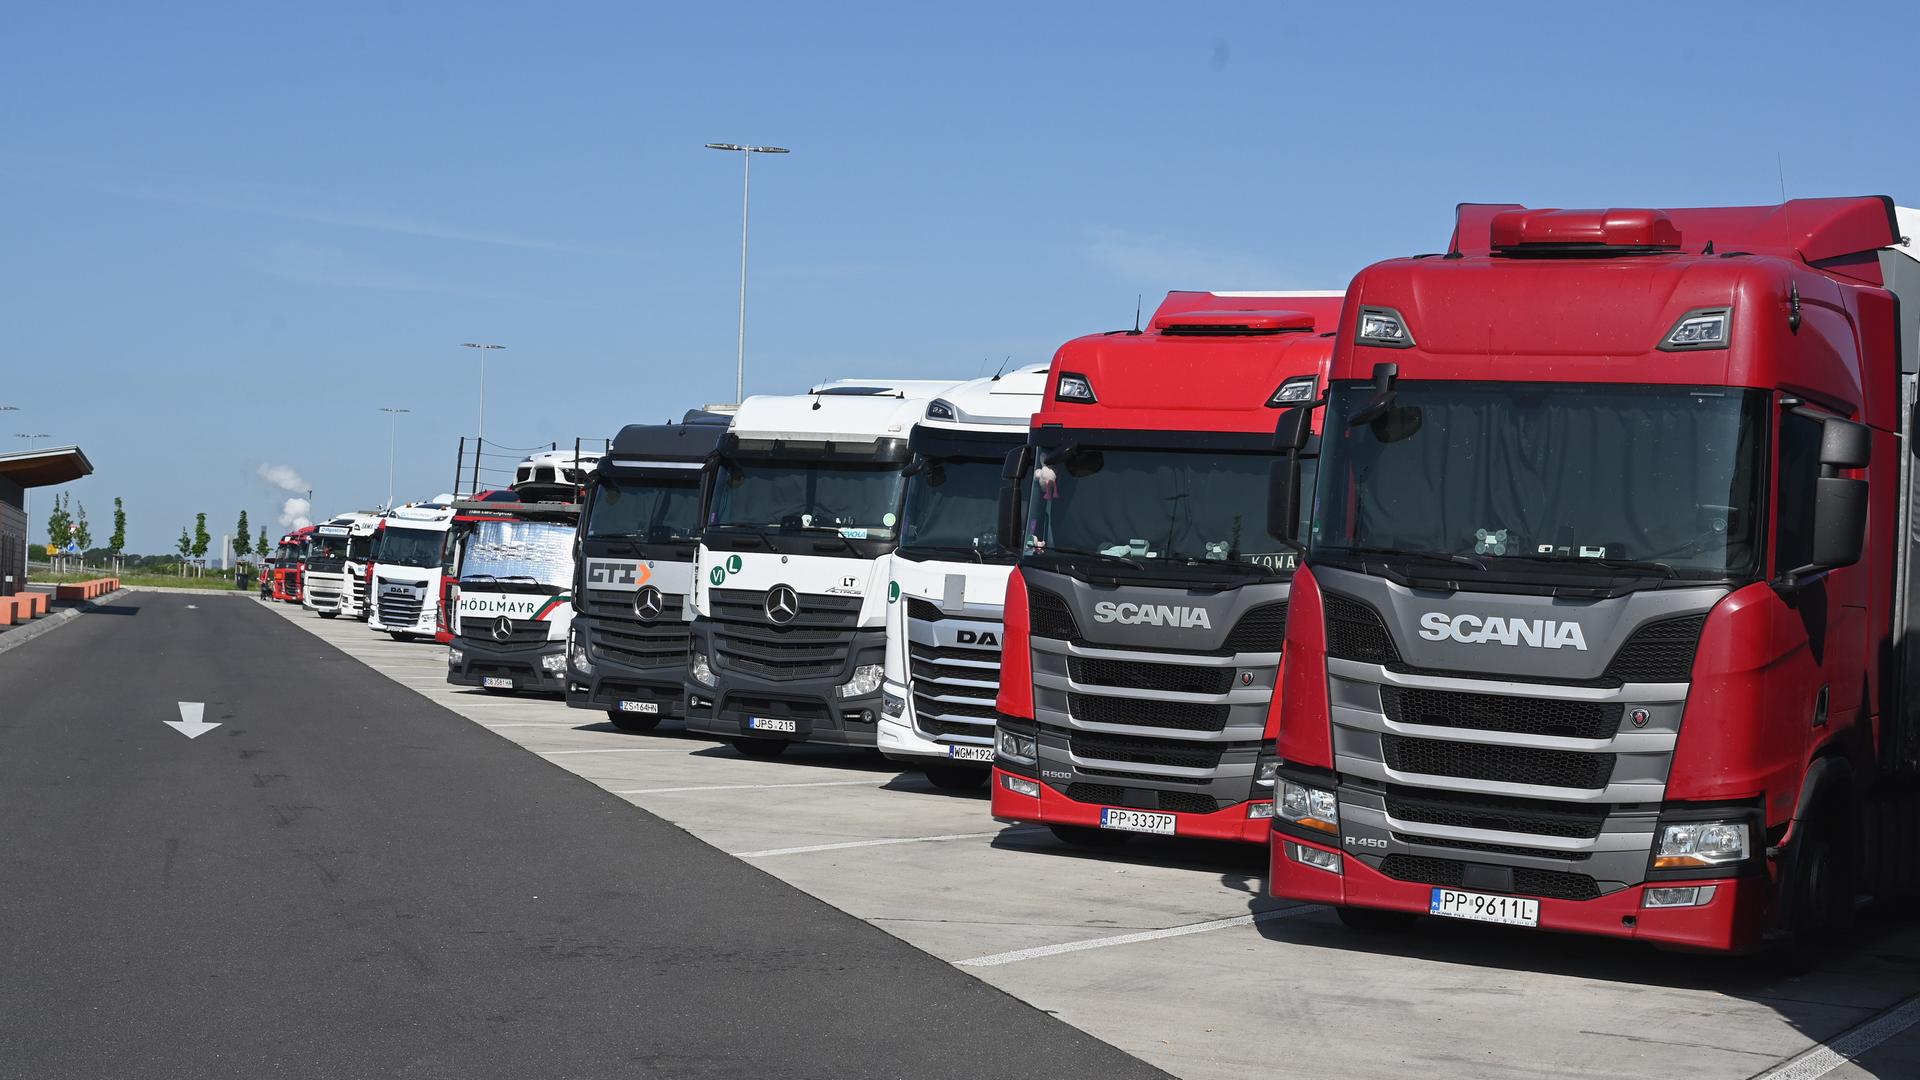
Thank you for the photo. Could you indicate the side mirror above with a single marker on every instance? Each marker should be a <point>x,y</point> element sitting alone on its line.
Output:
<point>1840,503</point>
<point>1018,460</point>
<point>1377,403</point>
<point>1294,428</point>
<point>1007,519</point>
<point>1283,500</point>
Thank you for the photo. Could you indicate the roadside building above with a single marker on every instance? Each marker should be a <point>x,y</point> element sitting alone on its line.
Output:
<point>20,472</point>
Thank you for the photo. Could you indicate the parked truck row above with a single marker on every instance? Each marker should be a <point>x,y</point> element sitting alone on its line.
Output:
<point>1563,579</point>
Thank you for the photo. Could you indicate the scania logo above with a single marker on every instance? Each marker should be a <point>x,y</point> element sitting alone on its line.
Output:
<point>1127,614</point>
<point>503,629</point>
<point>648,604</point>
<point>783,605</point>
<point>1494,630</point>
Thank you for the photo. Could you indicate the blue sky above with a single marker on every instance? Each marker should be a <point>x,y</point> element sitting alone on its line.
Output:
<point>236,230</point>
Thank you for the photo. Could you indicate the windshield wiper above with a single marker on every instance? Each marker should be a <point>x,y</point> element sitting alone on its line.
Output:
<point>1404,553</point>
<point>1101,555</point>
<point>1653,566</point>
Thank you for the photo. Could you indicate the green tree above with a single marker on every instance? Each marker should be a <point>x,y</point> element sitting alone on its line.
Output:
<point>82,532</point>
<point>118,542</point>
<point>59,523</point>
<point>185,547</point>
<point>201,538</point>
<point>243,537</point>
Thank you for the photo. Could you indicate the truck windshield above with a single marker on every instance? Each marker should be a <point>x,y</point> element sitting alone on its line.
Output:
<point>327,547</point>
<point>359,547</point>
<point>524,551</point>
<point>1175,505</point>
<point>857,500</point>
<point>410,547</point>
<point>650,511</point>
<point>1591,477</point>
<point>952,505</point>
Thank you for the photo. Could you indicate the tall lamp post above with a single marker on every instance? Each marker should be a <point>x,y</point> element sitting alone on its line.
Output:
<point>393,428</point>
<point>746,180</point>
<point>482,433</point>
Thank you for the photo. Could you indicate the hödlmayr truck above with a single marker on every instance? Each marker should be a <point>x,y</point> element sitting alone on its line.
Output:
<point>512,594</point>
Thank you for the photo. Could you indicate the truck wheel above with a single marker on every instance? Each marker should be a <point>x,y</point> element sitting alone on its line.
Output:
<point>1087,836</point>
<point>956,777</point>
<point>627,721</point>
<point>761,748</point>
<point>400,635</point>
<point>1819,895</point>
<point>1375,920</point>
<point>326,614</point>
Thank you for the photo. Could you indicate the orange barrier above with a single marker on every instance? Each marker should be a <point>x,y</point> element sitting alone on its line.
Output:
<point>86,590</point>
<point>18,609</point>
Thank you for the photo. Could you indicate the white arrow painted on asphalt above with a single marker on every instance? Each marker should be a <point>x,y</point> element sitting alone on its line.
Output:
<point>191,723</point>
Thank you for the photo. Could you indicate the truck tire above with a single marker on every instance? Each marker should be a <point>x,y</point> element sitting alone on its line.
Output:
<point>1376,920</point>
<point>957,777</point>
<point>761,748</point>
<point>635,722</point>
<point>1088,836</point>
<point>1819,892</point>
<point>400,635</point>
<point>326,614</point>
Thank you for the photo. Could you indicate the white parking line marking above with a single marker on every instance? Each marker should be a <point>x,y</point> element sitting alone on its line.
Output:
<point>1823,1059</point>
<point>566,724</point>
<point>750,787</point>
<point>997,959</point>
<point>613,750</point>
<point>870,843</point>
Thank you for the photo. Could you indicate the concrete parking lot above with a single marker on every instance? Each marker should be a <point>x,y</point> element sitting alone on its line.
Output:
<point>1170,951</point>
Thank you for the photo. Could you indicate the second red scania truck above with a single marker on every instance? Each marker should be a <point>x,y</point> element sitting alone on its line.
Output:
<point>1143,623</point>
<point>1606,622</point>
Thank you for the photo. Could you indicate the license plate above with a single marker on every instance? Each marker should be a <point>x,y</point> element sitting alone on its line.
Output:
<point>767,723</point>
<point>496,682</point>
<point>1137,821</point>
<point>971,753</point>
<point>1481,907</point>
<point>652,707</point>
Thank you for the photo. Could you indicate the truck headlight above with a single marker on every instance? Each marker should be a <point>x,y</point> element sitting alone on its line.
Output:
<point>866,679</point>
<point>1266,771</point>
<point>455,657</point>
<point>1308,807</point>
<point>577,652</point>
<point>1023,748</point>
<point>701,671</point>
<point>1704,843</point>
<point>554,664</point>
<point>894,705</point>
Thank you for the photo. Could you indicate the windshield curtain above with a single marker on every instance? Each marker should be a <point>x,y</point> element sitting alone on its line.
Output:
<point>858,500</point>
<point>1181,505</point>
<point>410,547</point>
<point>538,550</point>
<point>327,547</point>
<point>953,504</point>
<point>1666,474</point>
<point>650,511</point>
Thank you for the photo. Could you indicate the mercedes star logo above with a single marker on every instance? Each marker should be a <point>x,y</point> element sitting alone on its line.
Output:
<point>783,605</point>
<point>503,629</point>
<point>648,604</point>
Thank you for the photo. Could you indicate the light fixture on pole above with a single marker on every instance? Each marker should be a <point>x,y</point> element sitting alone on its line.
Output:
<point>746,179</point>
<point>393,428</point>
<point>482,433</point>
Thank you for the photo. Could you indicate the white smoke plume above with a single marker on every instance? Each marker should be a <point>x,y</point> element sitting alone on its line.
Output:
<point>296,512</point>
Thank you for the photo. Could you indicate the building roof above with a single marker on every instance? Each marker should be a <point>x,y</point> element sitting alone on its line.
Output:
<point>41,468</point>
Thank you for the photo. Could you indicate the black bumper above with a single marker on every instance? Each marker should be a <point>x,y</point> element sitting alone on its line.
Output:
<point>481,662</point>
<point>813,705</point>
<point>613,682</point>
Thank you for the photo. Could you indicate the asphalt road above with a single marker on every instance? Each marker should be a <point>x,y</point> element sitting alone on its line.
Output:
<point>346,880</point>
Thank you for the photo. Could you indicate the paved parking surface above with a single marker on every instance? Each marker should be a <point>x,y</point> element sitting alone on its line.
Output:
<point>1170,951</point>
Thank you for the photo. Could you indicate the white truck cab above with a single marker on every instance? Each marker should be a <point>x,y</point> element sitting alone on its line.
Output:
<point>790,585</point>
<point>408,562</point>
<point>512,609</point>
<point>361,527</point>
<point>325,589</point>
<point>950,580</point>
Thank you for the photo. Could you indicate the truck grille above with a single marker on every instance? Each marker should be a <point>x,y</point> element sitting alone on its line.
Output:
<point>400,609</point>
<point>1173,678</point>
<point>1261,629</point>
<point>1659,651</point>
<point>817,642</point>
<point>1501,764</point>
<point>1450,873</point>
<point>359,586</point>
<point>526,633</point>
<point>1494,813</point>
<point>1048,615</point>
<point>1498,712</point>
<point>943,678</point>
<point>1355,632</point>
<point>1179,802</point>
<point>1136,712</point>
<point>1139,751</point>
<point>621,638</point>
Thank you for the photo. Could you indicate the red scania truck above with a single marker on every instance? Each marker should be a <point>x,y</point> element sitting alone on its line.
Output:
<point>1605,622</point>
<point>1144,621</point>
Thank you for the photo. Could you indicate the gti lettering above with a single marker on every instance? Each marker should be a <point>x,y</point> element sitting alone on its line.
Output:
<point>1130,614</point>
<point>1495,630</point>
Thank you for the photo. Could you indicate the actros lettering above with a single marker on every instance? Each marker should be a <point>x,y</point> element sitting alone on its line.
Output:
<point>1494,630</point>
<point>1128,614</point>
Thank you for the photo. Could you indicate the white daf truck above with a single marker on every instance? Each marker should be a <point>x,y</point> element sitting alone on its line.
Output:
<point>361,528</point>
<point>790,585</point>
<point>950,580</point>
<point>325,586</point>
<point>408,563</point>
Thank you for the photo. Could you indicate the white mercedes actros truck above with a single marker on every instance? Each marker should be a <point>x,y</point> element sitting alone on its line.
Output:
<point>408,561</point>
<point>790,584</point>
<point>950,580</point>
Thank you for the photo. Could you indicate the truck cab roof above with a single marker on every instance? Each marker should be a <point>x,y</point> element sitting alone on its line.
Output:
<point>852,414</point>
<point>639,448</point>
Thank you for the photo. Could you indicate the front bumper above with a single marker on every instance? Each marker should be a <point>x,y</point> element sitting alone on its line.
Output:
<point>900,740</point>
<point>814,706</point>
<point>1053,807</point>
<point>1735,920</point>
<point>613,682</point>
<point>479,662</point>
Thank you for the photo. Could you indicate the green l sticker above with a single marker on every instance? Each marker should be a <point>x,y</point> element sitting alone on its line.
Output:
<point>893,591</point>
<point>733,564</point>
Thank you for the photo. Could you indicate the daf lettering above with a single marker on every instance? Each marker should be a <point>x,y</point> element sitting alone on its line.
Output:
<point>1496,630</point>
<point>1130,614</point>
<point>977,637</point>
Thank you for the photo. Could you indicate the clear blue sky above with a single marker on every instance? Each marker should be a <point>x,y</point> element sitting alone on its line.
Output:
<point>232,231</point>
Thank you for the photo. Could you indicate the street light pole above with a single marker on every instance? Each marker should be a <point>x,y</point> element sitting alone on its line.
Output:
<point>482,433</point>
<point>393,428</point>
<point>746,185</point>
